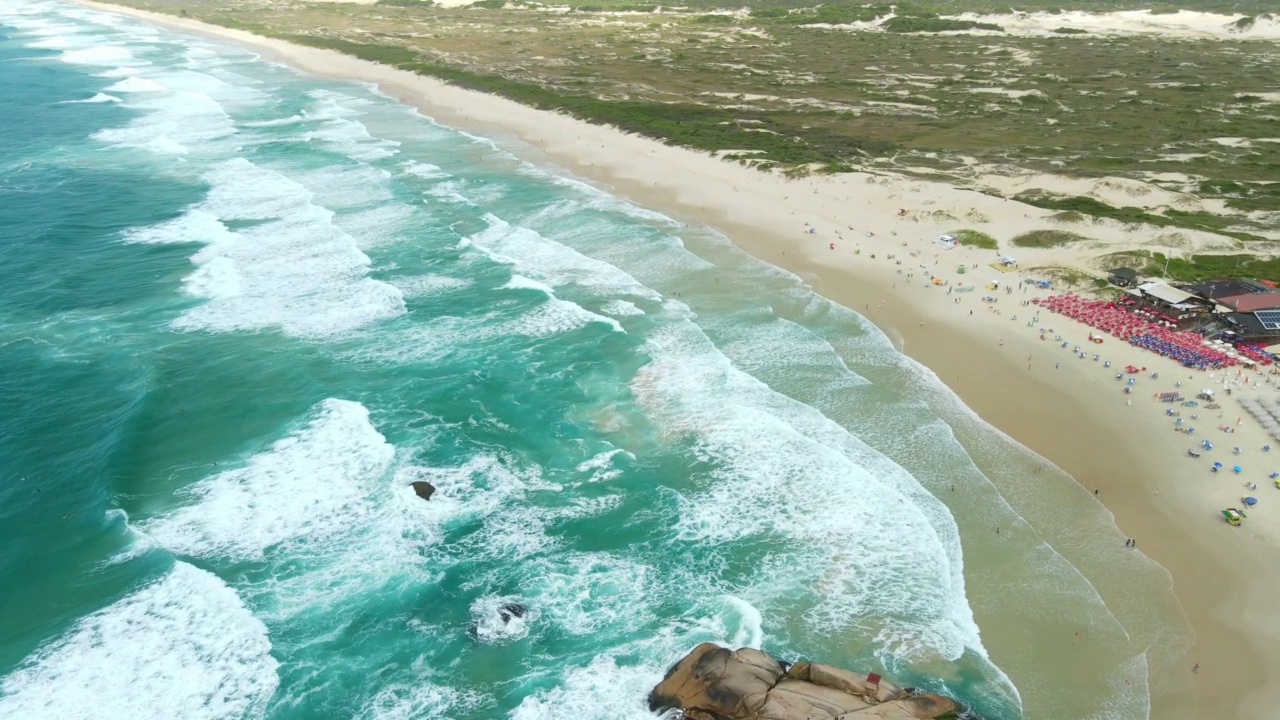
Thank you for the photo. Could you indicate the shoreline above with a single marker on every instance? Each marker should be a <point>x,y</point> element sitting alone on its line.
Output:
<point>1079,420</point>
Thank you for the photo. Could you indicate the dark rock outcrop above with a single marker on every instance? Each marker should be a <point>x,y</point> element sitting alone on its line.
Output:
<point>715,683</point>
<point>511,610</point>
<point>424,489</point>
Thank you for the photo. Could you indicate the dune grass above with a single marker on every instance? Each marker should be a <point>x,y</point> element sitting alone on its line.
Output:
<point>795,84</point>
<point>1047,238</point>
<point>976,238</point>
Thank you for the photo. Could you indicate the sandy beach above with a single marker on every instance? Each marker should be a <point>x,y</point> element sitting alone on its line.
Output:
<point>1070,411</point>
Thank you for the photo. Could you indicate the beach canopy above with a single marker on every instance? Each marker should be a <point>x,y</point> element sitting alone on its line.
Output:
<point>1250,501</point>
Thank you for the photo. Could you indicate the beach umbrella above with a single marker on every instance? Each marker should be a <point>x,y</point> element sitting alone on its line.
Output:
<point>1237,469</point>
<point>1217,464</point>
<point>1250,501</point>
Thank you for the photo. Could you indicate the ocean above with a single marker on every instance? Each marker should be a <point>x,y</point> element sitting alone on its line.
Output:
<point>244,309</point>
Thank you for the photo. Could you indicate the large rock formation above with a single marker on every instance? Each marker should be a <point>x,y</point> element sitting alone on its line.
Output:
<point>715,683</point>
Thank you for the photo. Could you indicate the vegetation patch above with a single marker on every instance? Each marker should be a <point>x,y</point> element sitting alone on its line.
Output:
<point>976,238</point>
<point>1067,217</point>
<point>904,24</point>
<point>1191,220</point>
<point>1208,267</point>
<point>920,99</point>
<point>1046,238</point>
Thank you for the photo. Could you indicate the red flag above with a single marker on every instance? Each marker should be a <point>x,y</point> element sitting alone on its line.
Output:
<point>873,678</point>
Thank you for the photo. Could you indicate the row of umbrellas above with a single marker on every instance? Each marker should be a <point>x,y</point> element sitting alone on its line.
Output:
<point>1187,348</point>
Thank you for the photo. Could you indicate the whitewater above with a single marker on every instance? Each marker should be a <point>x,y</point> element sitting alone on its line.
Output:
<point>245,309</point>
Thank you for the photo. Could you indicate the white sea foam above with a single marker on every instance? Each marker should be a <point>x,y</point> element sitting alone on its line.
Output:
<point>299,273</point>
<point>447,191</point>
<point>134,84</point>
<point>557,316</point>
<point>417,286</point>
<point>493,620</point>
<point>621,308</point>
<point>424,170</point>
<point>97,98</point>
<point>339,187</point>
<point>601,690</point>
<point>56,43</point>
<point>782,470</point>
<point>195,226</point>
<point>183,646</point>
<point>521,282</point>
<point>173,121</point>
<point>241,190</point>
<point>377,226</point>
<point>352,138</point>
<point>418,699</point>
<point>602,467</point>
<point>278,122</point>
<point>590,196</point>
<point>203,83</point>
<point>112,55</point>
<point>311,485</point>
<point>584,593</point>
<point>553,263</point>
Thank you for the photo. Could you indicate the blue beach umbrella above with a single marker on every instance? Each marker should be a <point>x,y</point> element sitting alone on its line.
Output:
<point>1250,501</point>
<point>1217,465</point>
<point>1236,469</point>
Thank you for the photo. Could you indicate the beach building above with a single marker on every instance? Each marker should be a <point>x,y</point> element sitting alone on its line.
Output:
<point>1262,327</point>
<point>1215,290</point>
<point>1171,305</point>
<point>1244,311</point>
<point>1252,302</point>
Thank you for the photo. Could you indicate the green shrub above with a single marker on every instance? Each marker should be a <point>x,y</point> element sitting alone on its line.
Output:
<point>1046,238</point>
<point>769,12</point>
<point>976,238</point>
<point>902,24</point>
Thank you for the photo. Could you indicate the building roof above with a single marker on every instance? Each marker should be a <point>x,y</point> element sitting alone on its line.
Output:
<point>1124,272</point>
<point>1217,289</point>
<point>1252,302</point>
<point>1164,291</point>
<point>1248,324</point>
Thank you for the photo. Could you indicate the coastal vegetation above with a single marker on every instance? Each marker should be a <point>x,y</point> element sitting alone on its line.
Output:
<point>1197,267</point>
<point>1046,238</point>
<point>810,86</point>
<point>976,238</point>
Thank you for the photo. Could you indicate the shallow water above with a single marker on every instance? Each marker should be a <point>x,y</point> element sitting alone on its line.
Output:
<point>244,309</point>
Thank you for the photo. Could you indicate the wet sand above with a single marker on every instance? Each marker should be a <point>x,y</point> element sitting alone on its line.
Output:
<point>1073,416</point>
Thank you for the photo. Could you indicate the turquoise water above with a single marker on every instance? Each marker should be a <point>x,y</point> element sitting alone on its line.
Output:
<point>243,309</point>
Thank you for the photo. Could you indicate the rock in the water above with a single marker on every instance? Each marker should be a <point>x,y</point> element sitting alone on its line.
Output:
<point>511,610</point>
<point>424,489</point>
<point>715,683</point>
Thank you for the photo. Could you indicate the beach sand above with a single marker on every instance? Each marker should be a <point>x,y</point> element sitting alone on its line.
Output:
<point>1074,416</point>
